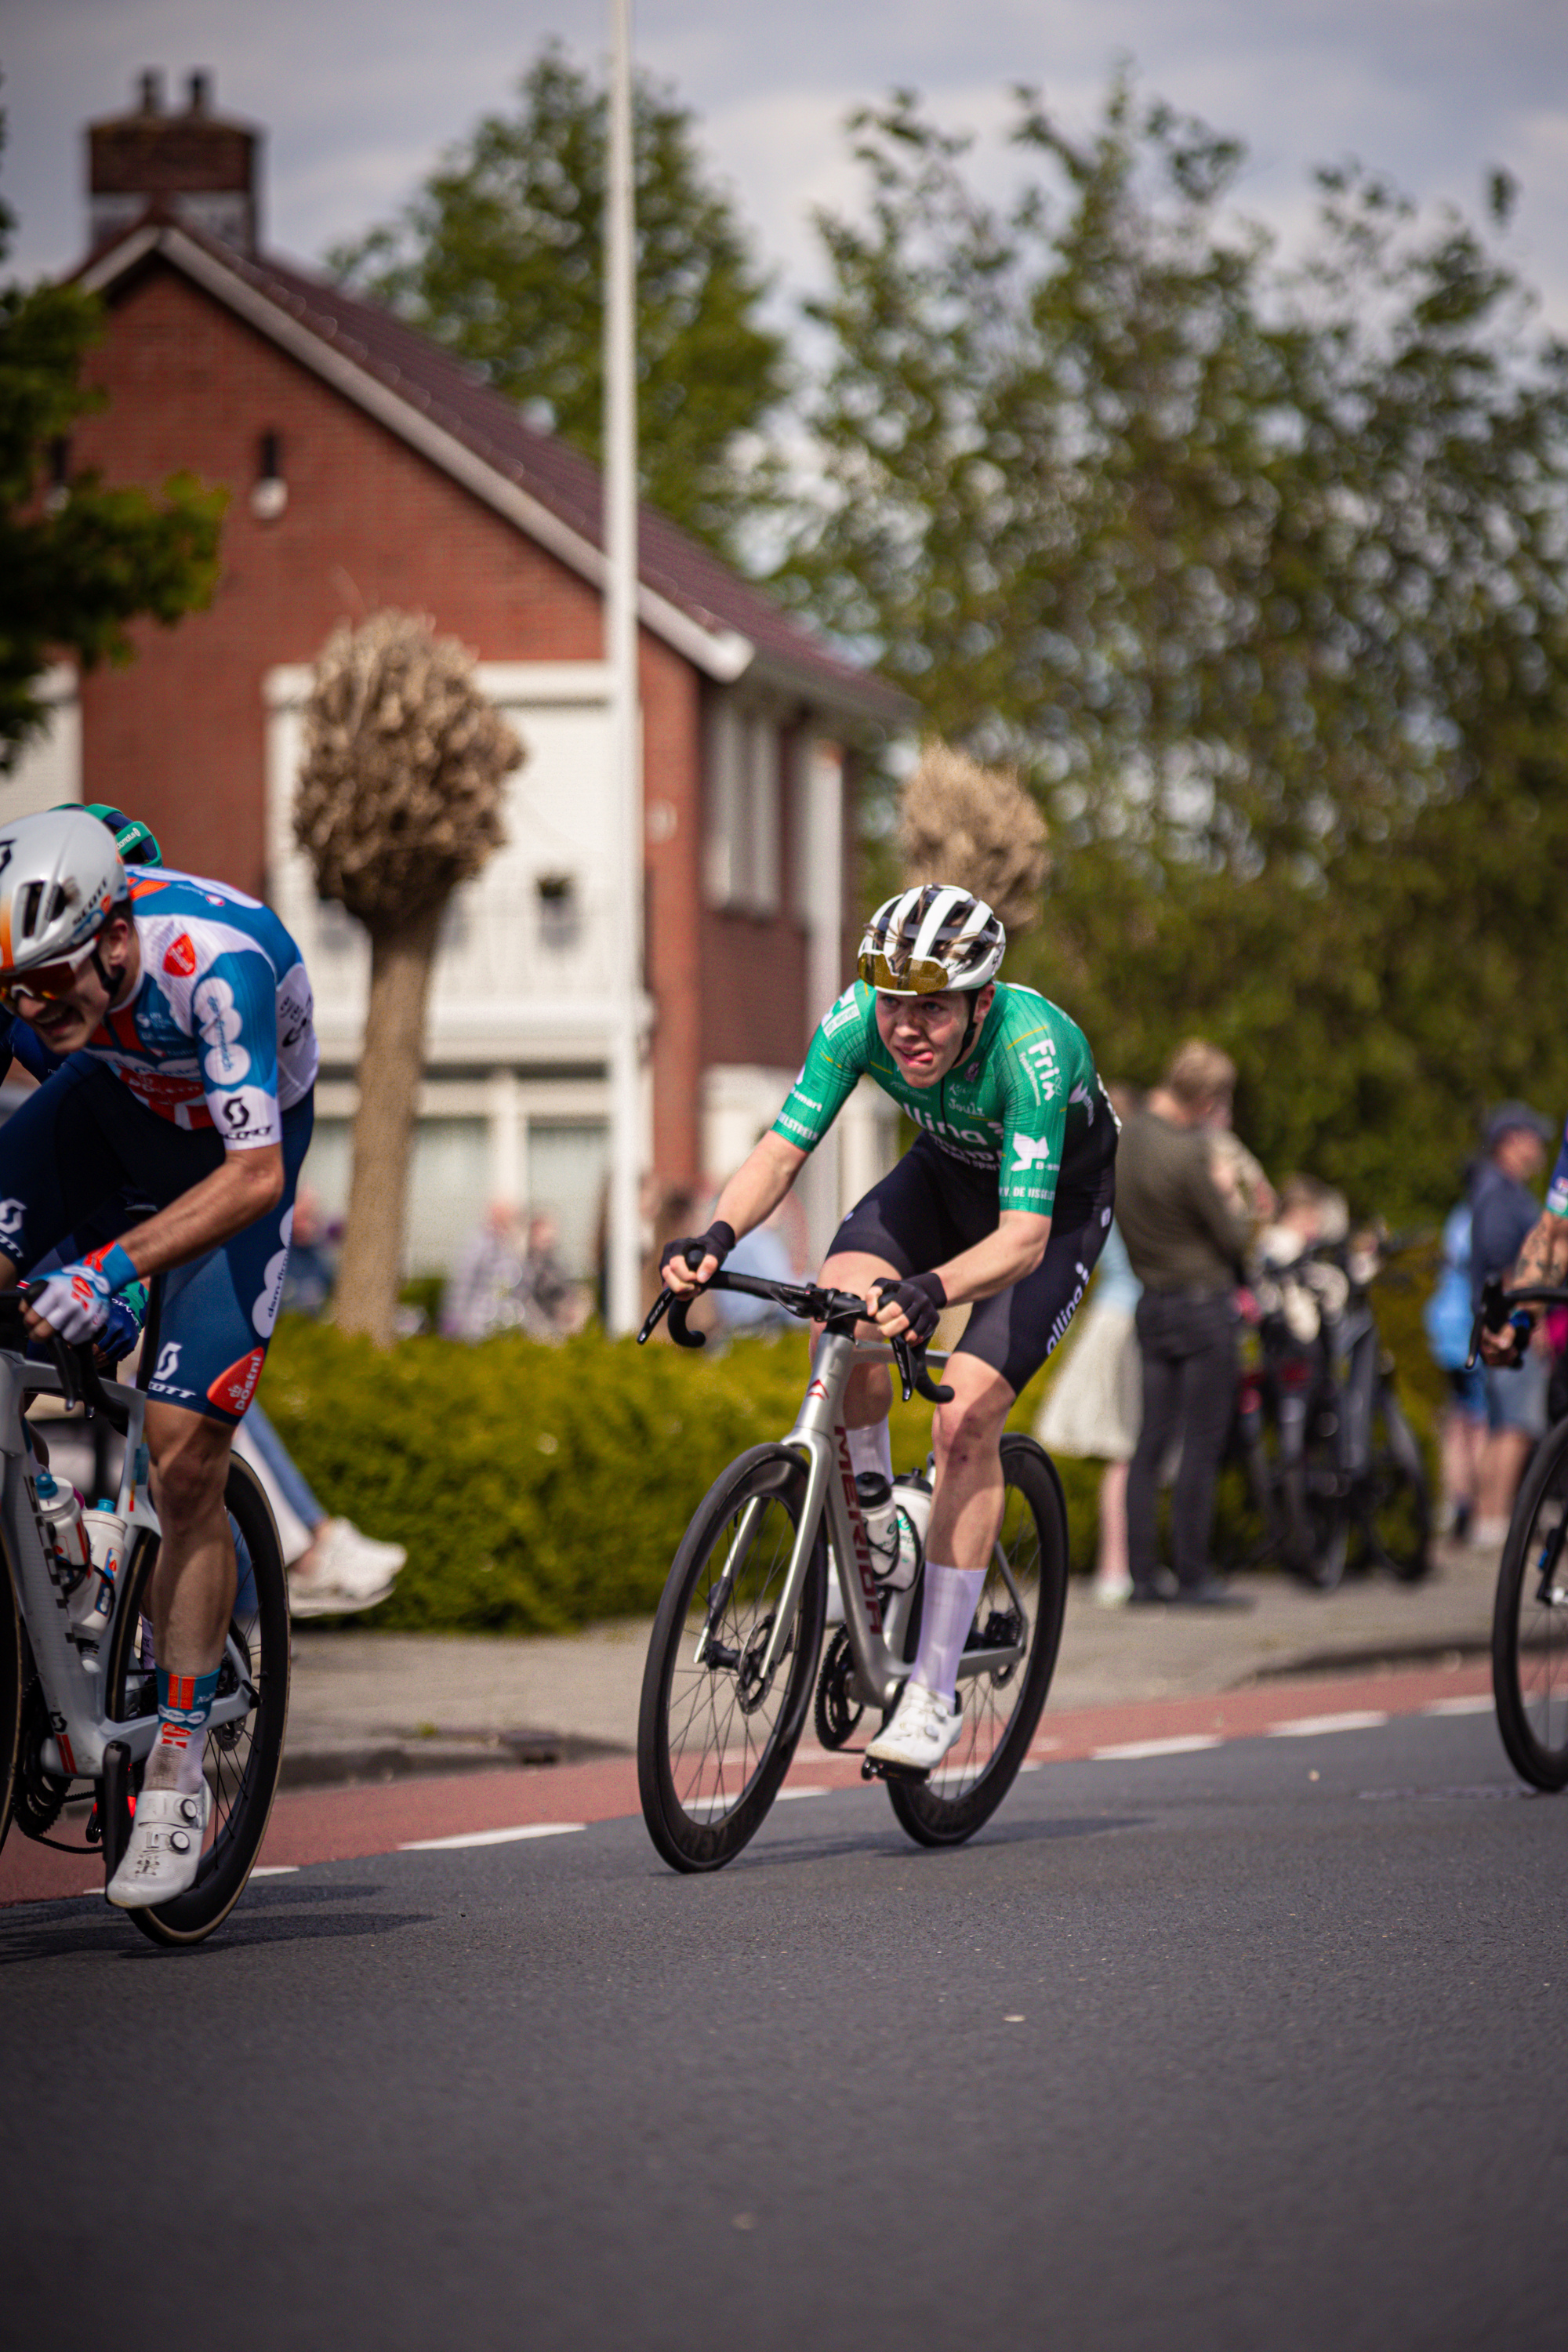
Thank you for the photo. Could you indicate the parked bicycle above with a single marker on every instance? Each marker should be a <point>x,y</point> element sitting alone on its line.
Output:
<point>1335,1473</point>
<point>77,1711</point>
<point>1529,1617</point>
<point>734,1658</point>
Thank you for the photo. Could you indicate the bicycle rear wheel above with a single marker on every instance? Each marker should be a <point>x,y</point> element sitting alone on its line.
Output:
<point>1022,1600</point>
<point>714,1736</point>
<point>243,1757</point>
<point>1530,1623</point>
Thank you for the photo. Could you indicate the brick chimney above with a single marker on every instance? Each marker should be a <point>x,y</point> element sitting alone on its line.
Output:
<point>191,165</point>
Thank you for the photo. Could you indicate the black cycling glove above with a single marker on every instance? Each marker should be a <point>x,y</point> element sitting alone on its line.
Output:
<point>922,1296</point>
<point>692,1248</point>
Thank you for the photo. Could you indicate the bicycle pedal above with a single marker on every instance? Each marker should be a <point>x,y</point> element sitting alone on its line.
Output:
<point>874,1770</point>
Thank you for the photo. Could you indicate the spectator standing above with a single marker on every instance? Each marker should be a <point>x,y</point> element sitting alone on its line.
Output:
<point>551,1305</point>
<point>1449,1315</point>
<point>1094,1409</point>
<point>1186,1242</point>
<point>1503,1209</point>
<point>482,1296</point>
<point>1095,1405</point>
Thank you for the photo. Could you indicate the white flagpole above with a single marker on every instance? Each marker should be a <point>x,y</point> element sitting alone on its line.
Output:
<point>621,651</point>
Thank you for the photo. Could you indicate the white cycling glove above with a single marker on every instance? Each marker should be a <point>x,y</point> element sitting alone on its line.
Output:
<point>74,1302</point>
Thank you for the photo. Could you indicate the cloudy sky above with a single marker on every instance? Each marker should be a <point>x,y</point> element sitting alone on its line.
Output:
<point>358,97</point>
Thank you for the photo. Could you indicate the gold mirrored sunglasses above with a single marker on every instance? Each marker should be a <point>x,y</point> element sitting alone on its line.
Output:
<point>920,977</point>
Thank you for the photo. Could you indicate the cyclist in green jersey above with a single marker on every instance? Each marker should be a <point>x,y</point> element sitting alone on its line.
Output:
<point>1002,1204</point>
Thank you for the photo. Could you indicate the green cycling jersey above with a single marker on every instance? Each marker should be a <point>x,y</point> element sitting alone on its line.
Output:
<point>1025,1101</point>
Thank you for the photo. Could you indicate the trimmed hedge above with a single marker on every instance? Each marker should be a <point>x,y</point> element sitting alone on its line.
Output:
<point>538,1488</point>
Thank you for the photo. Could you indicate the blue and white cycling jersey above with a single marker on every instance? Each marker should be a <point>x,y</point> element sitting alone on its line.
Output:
<point>220,1032</point>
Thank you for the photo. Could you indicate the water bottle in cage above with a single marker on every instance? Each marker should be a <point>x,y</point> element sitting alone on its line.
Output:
<point>894,1541</point>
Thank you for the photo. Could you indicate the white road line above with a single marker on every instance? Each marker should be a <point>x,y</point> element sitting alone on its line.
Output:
<point>1480,1703</point>
<point>1309,1726</point>
<point>1132,1751</point>
<point>786,1794</point>
<point>491,1837</point>
<point>274,1870</point>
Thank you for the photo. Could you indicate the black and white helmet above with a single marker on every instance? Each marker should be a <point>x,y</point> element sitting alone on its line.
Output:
<point>60,880</point>
<point>929,939</point>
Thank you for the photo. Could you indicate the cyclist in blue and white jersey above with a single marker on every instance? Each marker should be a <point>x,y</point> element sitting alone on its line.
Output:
<point>184,1014</point>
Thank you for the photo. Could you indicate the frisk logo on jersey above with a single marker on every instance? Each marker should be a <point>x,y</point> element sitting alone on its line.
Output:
<point>180,956</point>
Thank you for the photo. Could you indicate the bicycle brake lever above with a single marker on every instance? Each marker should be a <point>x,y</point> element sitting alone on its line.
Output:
<point>655,1315</point>
<point>904,1358</point>
<point>69,1369</point>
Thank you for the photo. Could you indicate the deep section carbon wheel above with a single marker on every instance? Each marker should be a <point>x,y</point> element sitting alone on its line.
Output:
<point>718,1724</point>
<point>1021,1606</point>
<point>243,1755</point>
<point>1530,1623</point>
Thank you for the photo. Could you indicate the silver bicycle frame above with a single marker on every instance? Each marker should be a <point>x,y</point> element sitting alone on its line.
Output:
<point>69,1671</point>
<point>876,1622</point>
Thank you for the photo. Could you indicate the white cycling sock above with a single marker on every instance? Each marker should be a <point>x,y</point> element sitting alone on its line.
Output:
<point>952,1598</point>
<point>871,1449</point>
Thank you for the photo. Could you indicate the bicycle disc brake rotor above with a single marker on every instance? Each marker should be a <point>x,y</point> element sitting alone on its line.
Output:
<point>1003,1630</point>
<point>752,1685</point>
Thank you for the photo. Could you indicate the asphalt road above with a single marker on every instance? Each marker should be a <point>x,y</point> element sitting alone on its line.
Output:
<point>1256,2047</point>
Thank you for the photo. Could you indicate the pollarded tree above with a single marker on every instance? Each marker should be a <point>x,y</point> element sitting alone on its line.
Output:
<point>399,801</point>
<point>959,821</point>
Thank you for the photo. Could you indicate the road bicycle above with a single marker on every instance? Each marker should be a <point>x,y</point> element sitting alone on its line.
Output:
<point>79,1715</point>
<point>1529,1617</point>
<point>734,1658</point>
<point>1335,1475</point>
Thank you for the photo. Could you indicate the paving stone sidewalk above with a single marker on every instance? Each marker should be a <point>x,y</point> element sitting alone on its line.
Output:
<point>369,1706</point>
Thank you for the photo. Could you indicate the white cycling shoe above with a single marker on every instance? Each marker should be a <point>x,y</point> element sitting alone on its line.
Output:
<point>921,1730</point>
<point>166,1849</point>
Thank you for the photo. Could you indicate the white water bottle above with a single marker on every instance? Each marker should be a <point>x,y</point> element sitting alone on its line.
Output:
<point>106,1540</point>
<point>59,1508</point>
<point>895,1546</point>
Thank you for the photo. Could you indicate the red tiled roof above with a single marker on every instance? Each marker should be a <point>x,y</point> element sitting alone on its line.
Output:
<point>671,564</point>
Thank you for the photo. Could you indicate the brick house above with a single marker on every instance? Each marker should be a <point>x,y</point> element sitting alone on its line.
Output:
<point>365,468</point>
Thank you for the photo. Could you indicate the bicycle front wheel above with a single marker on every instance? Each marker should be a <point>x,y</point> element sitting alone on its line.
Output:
<point>1530,1623</point>
<point>243,1757</point>
<point>1021,1605</point>
<point>716,1731</point>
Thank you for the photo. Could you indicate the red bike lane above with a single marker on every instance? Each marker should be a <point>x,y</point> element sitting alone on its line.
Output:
<point>340,1824</point>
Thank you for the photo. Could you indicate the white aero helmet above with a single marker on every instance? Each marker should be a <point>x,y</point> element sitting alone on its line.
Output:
<point>931,938</point>
<point>60,880</point>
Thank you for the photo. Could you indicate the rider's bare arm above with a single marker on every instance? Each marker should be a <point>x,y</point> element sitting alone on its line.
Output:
<point>234,1196</point>
<point>748,1200</point>
<point>1543,1258</point>
<point>1003,1258</point>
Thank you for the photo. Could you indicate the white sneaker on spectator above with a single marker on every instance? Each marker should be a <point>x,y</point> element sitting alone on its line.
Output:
<point>166,1849</point>
<point>346,1570</point>
<point>923,1727</point>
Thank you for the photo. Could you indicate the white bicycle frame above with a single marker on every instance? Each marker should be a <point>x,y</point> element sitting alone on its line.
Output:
<point>69,1670</point>
<point>875,1621</point>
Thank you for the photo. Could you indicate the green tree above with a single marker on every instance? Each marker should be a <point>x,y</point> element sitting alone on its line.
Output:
<point>1257,578</point>
<point>78,567</point>
<point>500,257</point>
